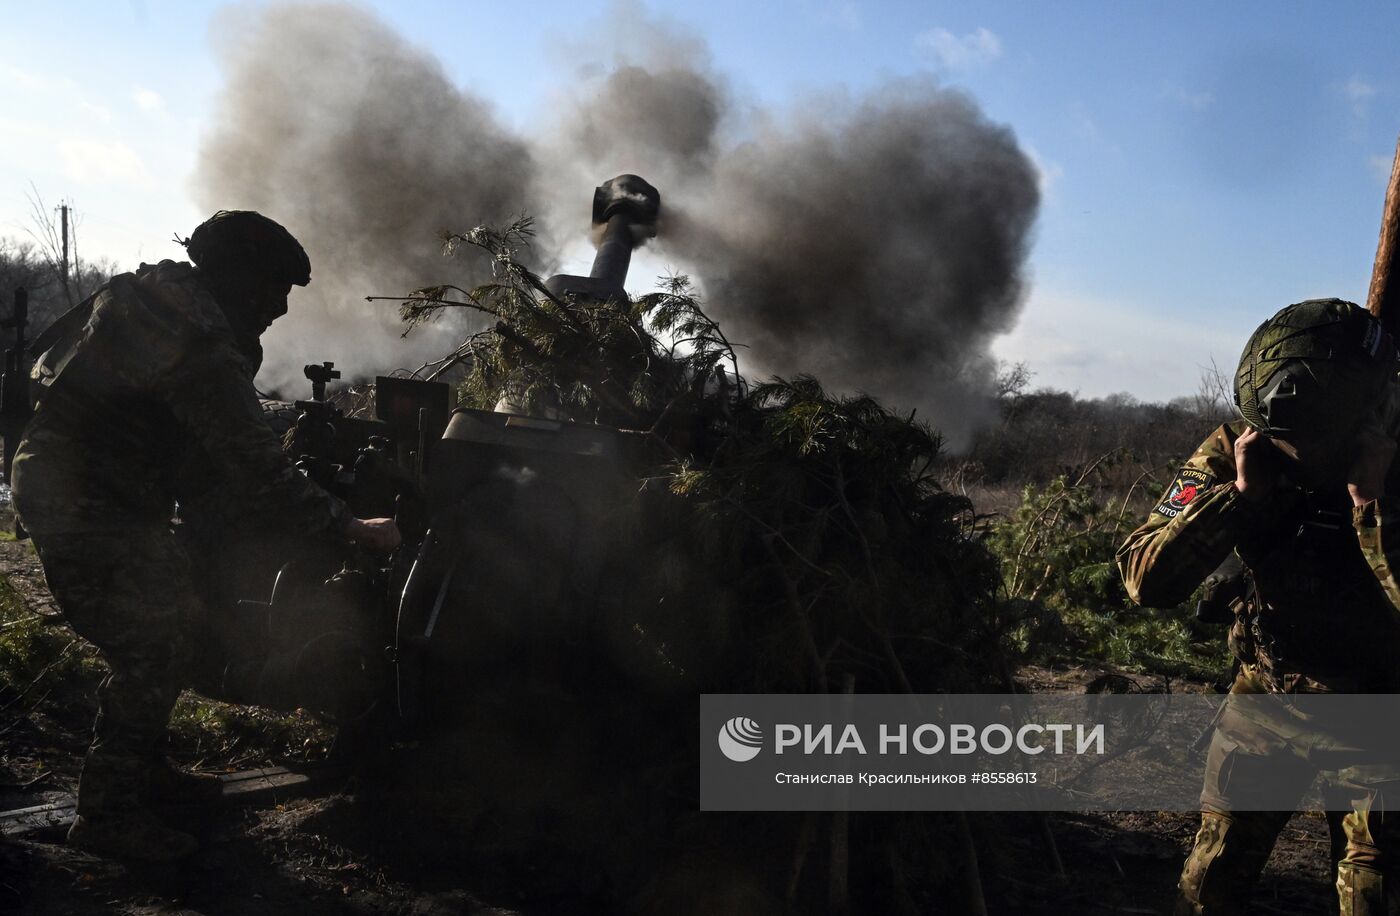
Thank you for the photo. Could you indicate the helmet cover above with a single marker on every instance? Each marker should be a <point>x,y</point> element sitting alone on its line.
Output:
<point>1313,370</point>
<point>244,242</point>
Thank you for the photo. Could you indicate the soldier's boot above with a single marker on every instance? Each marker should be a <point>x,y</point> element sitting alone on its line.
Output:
<point>1364,853</point>
<point>1361,891</point>
<point>133,835</point>
<point>167,784</point>
<point>112,818</point>
<point>1229,854</point>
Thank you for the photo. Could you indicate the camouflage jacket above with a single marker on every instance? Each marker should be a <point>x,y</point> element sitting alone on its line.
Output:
<point>1325,612</point>
<point>148,380</point>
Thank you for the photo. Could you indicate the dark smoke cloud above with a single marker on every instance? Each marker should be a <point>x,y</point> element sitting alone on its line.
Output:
<point>359,144</point>
<point>642,98</point>
<point>879,240</point>
<point>875,241</point>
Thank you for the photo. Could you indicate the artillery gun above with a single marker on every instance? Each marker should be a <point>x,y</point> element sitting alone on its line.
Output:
<point>501,640</point>
<point>516,530</point>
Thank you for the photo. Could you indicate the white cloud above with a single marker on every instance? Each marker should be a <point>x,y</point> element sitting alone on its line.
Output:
<point>53,94</point>
<point>1085,128</point>
<point>1084,124</point>
<point>1359,93</point>
<point>972,50</point>
<point>844,14</point>
<point>90,161</point>
<point>1198,101</point>
<point>1358,89</point>
<point>99,113</point>
<point>147,99</point>
<point>1380,168</point>
<point>1048,172</point>
<point>25,79</point>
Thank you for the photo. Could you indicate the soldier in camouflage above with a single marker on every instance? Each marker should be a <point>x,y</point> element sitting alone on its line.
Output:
<point>1297,489</point>
<point>153,374</point>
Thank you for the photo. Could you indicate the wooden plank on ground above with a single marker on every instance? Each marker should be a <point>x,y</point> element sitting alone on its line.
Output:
<point>267,786</point>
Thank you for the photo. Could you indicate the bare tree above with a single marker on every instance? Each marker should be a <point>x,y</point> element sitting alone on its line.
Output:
<point>1012,380</point>
<point>1215,395</point>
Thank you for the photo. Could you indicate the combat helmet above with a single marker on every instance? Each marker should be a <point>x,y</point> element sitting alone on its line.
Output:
<point>1313,371</point>
<point>245,241</point>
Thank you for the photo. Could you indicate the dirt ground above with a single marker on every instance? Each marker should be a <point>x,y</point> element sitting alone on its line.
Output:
<point>342,852</point>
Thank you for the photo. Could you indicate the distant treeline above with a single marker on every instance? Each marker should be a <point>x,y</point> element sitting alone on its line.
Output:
<point>30,265</point>
<point>1043,434</point>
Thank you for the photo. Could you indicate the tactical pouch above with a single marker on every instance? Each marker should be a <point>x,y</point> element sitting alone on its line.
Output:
<point>55,347</point>
<point>1224,590</point>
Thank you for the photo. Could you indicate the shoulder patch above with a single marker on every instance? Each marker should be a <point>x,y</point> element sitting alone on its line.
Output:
<point>1185,488</point>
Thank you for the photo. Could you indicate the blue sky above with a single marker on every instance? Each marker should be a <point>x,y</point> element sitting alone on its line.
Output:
<point>1202,164</point>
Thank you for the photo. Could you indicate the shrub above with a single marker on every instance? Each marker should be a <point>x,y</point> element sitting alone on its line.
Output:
<point>1064,599</point>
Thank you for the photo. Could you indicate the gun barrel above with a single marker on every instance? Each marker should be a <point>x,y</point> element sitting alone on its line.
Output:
<point>614,252</point>
<point>626,207</point>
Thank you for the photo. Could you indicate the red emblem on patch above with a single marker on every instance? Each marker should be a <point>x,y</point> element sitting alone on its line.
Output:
<point>1189,484</point>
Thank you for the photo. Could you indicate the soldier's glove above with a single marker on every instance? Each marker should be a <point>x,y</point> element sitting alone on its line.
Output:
<point>1384,420</point>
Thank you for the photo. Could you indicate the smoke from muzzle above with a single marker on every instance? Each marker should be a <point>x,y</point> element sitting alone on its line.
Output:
<point>359,144</point>
<point>875,241</point>
<point>879,240</point>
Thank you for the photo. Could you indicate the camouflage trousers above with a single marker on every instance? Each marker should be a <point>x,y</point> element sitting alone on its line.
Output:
<point>130,595</point>
<point>1234,841</point>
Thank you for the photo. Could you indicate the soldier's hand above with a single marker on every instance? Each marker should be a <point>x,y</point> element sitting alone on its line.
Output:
<point>378,534</point>
<point>1375,448</point>
<point>1375,451</point>
<point>1256,466</point>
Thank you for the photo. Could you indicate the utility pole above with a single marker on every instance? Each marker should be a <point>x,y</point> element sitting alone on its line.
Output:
<point>14,382</point>
<point>63,210</point>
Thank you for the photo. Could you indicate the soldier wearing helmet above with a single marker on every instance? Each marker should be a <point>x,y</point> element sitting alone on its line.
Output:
<point>1296,491</point>
<point>152,374</point>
